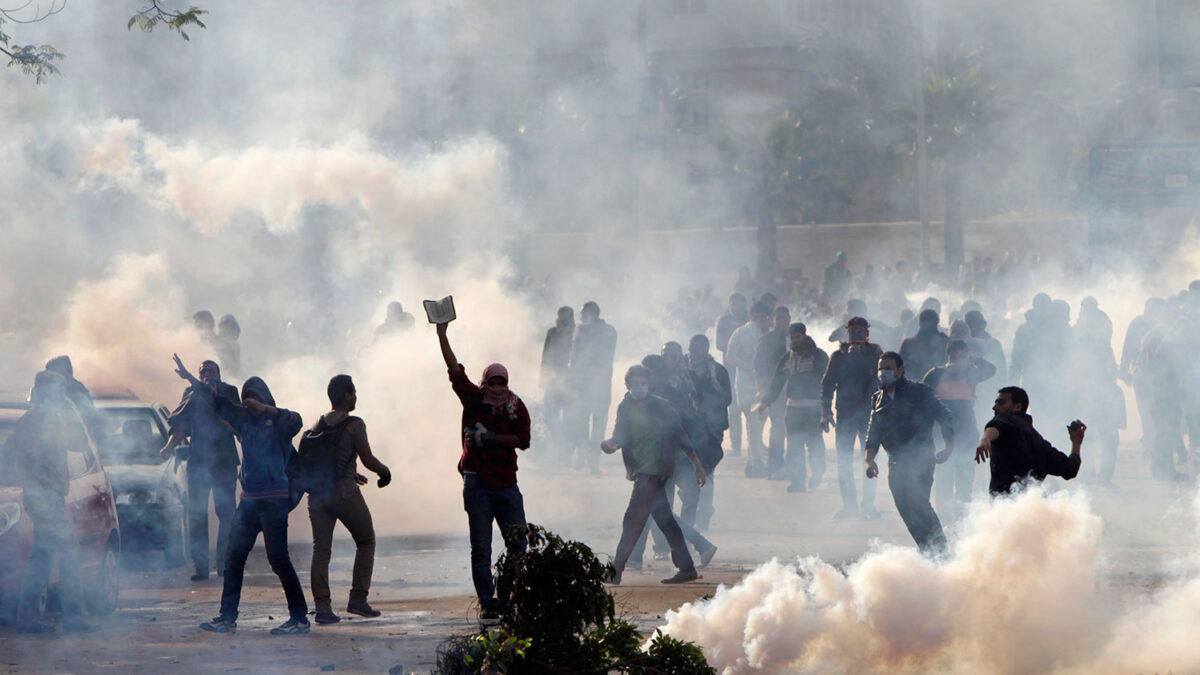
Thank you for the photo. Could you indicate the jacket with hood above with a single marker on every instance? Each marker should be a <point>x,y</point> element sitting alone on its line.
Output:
<point>266,441</point>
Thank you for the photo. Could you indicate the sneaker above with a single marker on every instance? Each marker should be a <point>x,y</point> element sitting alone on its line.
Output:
<point>846,514</point>
<point>707,555</point>
<point>683,576</point>
<point>220,625</point>
<point>292,627</point>
<point>200,575</point>
<point>363,609</point>
<point>613,577</point>
<point>490,615</point>
<point>871,513</point>
<point>794,488</point>
<point>326,616</point>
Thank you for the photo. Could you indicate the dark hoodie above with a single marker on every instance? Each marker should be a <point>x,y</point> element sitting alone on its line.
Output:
<point>78,394</point>
<point>266,441</point>
<point>35,455</point>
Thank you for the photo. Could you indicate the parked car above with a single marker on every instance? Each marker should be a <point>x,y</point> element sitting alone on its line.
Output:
<point>151,492</point>
<point>92,510</point>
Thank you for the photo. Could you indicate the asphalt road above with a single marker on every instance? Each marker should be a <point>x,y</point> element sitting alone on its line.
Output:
<point>422,583</point>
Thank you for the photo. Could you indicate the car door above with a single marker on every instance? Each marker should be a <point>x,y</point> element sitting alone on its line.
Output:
<point>89,502</point>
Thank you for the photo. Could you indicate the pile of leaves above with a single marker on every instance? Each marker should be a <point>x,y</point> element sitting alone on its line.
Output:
<point>558,617</point>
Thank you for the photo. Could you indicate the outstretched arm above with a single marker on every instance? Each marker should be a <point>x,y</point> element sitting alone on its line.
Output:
<point>447,352</point>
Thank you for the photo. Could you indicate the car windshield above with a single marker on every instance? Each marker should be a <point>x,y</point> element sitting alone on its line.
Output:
<point>131,436</point>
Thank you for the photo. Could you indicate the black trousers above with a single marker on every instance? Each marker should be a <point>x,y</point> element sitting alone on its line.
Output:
<point>910,477</point>
<point>649,499</point>
<point>54,539</point>
<point>269,516</point>
<point>221,482</point>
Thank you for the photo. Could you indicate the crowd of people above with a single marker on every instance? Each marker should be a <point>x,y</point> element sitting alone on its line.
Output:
<point>753,370</point>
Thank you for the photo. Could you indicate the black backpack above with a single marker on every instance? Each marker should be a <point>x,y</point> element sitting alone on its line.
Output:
<point>314,468</point>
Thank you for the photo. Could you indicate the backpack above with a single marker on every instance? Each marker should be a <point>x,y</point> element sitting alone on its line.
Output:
<point>314,468</point>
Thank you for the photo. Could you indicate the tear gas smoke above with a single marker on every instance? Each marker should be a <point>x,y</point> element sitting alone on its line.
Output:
<point>1019,593</point>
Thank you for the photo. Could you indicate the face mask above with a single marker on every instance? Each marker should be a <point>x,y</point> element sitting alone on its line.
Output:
<point>887,377</point>
<point>639,391</point>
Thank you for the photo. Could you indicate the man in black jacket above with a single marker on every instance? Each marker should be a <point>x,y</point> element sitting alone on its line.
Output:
<point>851,375</point>
<point>927,348</point>
<point>591,382</point>
<point>902,417</point>
<point>1017,451</point>
<point>556,359</point>
<point>714,394</point>
<point>212,465</point>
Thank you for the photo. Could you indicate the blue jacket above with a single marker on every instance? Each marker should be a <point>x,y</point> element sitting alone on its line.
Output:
<point>266,441</point>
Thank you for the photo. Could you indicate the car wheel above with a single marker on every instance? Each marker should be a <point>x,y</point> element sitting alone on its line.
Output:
<point>175,553</point>
<point>102,595</point>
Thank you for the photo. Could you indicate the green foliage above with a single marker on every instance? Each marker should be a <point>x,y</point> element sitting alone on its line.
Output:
<point>668,655</point>
<point>35,60</point>
<point>39,60</point>
<point>554,591</point>
<point>960,100</point>
<point>850,129</point>
<point>153,14</point>
<point>488,652</point>
<point>559,618</point>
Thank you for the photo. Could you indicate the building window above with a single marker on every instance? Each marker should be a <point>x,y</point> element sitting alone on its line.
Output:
<point>689,6</point>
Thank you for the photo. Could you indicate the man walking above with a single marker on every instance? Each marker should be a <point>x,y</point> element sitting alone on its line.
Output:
<point>648,432</point>
<point>556,360</point>
<point>736,317</point>
<point>954,385</point>
<point>591,375</point>
<point>344,502</point>
<point>851,375</point>
<point>772,346</point>
<point>212,465</point>
<point>799,372</point>
<point>1017,451</point>
<point>902,417</point>
<point>714,394</point>
<point>495,424</point>
<point>743,345</point>
<point>36,456</point>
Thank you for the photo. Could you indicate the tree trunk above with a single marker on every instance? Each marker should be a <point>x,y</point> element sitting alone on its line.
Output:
<point>955,222</point>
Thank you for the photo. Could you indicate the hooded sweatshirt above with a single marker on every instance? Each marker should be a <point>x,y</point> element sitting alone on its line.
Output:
<point>266,441</point>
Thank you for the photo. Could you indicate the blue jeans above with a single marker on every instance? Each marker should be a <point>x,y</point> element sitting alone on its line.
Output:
<point>269,516</point>
<point>484,505</point>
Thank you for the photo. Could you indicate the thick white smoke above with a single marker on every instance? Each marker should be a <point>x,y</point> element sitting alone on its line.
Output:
<point>1019,594</point>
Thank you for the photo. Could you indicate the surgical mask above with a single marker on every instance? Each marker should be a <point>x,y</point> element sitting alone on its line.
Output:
<point>887,377</point>
<point>639,391</point>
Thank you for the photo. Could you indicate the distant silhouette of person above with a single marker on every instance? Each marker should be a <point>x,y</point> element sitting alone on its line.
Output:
<point>397,321</point>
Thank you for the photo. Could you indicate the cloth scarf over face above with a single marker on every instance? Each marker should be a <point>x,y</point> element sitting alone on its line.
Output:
<point>705,365</point>
<point>502,399</point>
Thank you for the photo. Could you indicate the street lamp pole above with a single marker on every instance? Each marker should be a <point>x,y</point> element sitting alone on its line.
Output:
<point>922,135</point>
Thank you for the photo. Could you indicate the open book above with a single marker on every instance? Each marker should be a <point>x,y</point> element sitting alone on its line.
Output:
<point>440,311</point>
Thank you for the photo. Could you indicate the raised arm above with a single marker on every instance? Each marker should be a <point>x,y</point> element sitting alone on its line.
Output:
<point>447,352</point>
